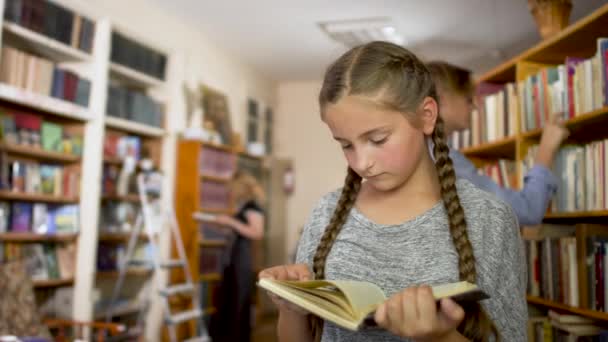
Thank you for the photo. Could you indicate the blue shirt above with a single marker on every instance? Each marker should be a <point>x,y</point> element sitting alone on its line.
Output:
<point>530,203</point>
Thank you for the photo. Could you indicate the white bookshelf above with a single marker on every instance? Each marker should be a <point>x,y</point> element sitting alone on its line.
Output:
<point>133,77</point>
<point>44,103</point>
<point>43,45</point>
<point>134,127</point>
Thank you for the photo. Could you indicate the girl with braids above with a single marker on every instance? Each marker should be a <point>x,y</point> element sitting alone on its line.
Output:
<point>455,89</point>
<point>402,220</point>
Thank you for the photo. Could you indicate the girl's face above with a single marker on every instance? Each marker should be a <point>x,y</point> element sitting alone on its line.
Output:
<point>456,110</point>
<point>381,146</point>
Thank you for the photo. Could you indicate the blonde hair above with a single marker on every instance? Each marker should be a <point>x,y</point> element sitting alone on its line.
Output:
<point>245,187</point>
<point>395,78</point>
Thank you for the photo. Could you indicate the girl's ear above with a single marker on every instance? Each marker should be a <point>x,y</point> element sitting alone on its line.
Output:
<point>429,109</point>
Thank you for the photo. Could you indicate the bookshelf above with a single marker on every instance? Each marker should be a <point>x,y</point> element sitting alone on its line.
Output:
<point>43,45</point>
<point>34,237</point>
<point>44,103</point>
<point>83,57</point>
<point>587,125</point>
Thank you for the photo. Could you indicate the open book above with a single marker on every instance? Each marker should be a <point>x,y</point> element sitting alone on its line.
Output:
<point>351,304</point>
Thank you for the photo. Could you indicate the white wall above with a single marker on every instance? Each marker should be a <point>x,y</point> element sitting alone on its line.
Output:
<point>318,161</point>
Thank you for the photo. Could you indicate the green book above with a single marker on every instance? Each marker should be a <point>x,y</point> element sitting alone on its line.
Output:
<point>52,137</point>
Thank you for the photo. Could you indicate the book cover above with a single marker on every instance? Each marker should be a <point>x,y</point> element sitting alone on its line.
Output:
<point>52,137</point>
<point>66,218</point>
<point>40,219</point>
<point>21,217</point>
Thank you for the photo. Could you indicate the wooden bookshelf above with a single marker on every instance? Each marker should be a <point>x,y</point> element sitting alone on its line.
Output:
<point>33,237</point>
<point>578,39</point>
<point>133,198</point>
<point>215,179</point>
<point>134,127</point>
<point>224,148</point>
<point>603,316</point>
<point>53,283</point>
<point>211,277</point>
<point>577,123</point>
<point>44,103</point>
<point>578,214</point>
<point>504,148</point>
<point>39,153</point>
<point>43,45</point>
<point>133,77</point>
<point>121,310</point>
<point>119,237</point>
<point>28,197</point>
<point>135,272</point>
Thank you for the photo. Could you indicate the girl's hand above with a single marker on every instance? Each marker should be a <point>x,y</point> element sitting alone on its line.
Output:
<point>287,272</point>
<point>413,313</point>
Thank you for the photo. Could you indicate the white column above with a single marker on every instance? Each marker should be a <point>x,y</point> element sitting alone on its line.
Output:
<point>92,162</point>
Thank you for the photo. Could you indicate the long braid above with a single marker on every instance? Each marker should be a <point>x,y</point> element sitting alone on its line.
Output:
<point>476,325</point>
<point>352,184</point>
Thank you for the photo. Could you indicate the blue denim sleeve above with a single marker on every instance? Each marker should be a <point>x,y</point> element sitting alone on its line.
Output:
<point>529,204</point>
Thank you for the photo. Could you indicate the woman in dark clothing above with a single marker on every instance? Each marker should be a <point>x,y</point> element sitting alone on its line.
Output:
<point>232,323</point>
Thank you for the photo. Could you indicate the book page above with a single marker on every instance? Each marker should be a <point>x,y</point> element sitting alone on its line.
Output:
<point>362,297</point>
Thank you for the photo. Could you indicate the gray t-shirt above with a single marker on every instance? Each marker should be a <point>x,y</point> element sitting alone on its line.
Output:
<point>420,251</point>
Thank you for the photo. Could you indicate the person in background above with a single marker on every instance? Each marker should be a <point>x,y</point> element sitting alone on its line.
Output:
<point>456,90</point>
<point>232,322</point>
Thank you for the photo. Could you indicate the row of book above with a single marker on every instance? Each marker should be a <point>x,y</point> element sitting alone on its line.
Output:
<point>111,256</point>
<point>118,180</point>
<point>541,91</point>
<point>503,172</point>
<point>215,195</point>
<point>31,130</point>
<point>552,266</point>
<point>38,218</point>
<point>134,105</point>
<point>118,216</point>
<point>117,145</point>
<point>42,261</point>
<point>40,75</point>
<point>134,55</point>
<point>53,21</point>
<point>565,327</point>
<point>566,268</point>
<point>218,163</point>
<point>34,178</point>
<point>581,173</point>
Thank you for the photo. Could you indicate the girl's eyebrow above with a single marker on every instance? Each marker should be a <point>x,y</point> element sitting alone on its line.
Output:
<point>366,133</point>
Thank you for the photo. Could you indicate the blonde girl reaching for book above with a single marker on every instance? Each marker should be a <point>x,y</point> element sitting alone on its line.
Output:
<point>402,220</point>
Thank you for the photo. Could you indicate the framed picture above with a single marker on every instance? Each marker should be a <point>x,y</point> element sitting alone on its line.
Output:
<point>215,105</point>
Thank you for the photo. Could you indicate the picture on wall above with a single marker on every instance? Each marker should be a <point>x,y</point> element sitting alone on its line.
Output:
<point>217,114</point>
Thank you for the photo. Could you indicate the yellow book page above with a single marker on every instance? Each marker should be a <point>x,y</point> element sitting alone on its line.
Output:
<point>362,297</point>
<point>330,294</point>
<point>314,304</point>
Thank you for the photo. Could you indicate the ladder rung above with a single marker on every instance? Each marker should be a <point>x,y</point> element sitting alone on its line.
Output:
<point>172,263</point>
<point>184,316</point>
<point>199,339</point>
<point>173,290</point>
<point>135,262</point>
